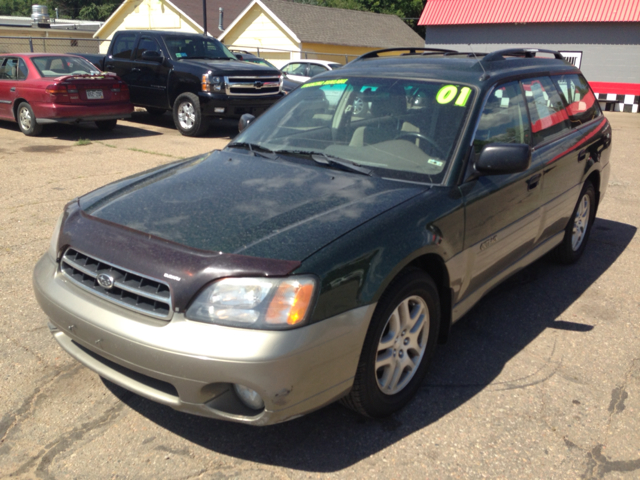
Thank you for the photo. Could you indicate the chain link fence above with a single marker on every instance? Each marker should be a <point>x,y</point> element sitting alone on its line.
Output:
<point>93,45</point>
<point>52,45</point>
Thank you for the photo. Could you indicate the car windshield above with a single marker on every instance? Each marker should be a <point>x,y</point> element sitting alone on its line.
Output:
<point>184,47</point>
<point>56,66</point>
<point>404,129</point>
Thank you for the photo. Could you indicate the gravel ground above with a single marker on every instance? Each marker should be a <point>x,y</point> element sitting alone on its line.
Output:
<point>540,380</point>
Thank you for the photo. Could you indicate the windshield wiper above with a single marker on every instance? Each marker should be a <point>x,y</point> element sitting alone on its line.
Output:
<point>255,149</point>
<point>331,161</point>
<point>205,58</point>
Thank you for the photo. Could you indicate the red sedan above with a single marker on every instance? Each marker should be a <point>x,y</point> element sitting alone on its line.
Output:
<point>40,88</point>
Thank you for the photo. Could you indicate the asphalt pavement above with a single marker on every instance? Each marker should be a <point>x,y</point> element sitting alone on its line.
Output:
<point>540,380</point>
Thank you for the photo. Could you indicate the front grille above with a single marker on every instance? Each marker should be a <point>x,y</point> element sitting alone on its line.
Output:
<point>130,290</point>
<point>253,86</point>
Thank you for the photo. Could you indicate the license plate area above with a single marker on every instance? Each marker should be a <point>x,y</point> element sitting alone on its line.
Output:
<point>95,95</point>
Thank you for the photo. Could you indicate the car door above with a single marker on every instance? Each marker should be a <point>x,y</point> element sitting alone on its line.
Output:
<point>120,60</point>
<point>149,82</point>
<point>13,73</point>
<point>568,152</point>
<point>298,71</point>
<point>502,212</point>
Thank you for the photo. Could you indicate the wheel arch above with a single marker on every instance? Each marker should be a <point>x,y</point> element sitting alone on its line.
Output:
<point>594,178</point>
<point>16,104</point>
<point>433,265</point>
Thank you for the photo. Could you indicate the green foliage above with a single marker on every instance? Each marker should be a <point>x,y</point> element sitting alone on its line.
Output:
<point>74,9</point>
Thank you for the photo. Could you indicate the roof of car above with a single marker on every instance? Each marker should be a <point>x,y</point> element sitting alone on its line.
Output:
<point>467,67</point>
<point>316,62</point>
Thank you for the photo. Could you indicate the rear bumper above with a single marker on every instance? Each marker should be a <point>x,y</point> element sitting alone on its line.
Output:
<point>235,106</point>
<point>59,113</point>
<point>191,366</point>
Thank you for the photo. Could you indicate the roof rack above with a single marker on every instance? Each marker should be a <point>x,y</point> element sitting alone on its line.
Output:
<point>465,54</point>
<point>412,51</point>
<point>519,52</point>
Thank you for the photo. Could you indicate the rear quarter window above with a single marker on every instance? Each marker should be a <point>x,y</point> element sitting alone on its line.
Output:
<point>581,103</point>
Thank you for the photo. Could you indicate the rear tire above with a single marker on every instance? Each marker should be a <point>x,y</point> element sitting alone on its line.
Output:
<point>398,347</point>
<point>578,229</point>
<point>187,116</point>
<point>156,112</point>
<point>27,120</point>
<point>106,125</point>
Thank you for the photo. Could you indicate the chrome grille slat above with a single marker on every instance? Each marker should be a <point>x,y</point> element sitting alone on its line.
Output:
<point>130,289</point>
<point>246,85</point>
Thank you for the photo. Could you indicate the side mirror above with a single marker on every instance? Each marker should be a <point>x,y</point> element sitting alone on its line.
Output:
<point>503,158</point>
<point>152,56</point>
<point>245,120</point>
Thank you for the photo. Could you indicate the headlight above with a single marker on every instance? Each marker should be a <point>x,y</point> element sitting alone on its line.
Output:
<point>265,303</point>
<point>211,84</point>
<point>53,244</point>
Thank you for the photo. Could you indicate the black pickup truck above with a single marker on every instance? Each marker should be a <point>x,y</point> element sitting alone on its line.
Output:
<point>195,76</point>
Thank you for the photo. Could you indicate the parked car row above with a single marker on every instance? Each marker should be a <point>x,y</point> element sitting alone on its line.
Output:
<point>328,249</point>
<point>194,77</point>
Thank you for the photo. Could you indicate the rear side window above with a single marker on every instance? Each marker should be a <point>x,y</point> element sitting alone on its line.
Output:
<point>124,46</point>
<point>549,119</point>
<point>504,118</point>
<point>581,103</point>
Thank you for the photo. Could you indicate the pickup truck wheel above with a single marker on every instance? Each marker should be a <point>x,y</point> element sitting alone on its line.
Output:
<point>398,347</point>
<point>156,112</point>
<point>577,230</point>
<point>188,117</point>
<point>107,125</point>
<point>27,120</point>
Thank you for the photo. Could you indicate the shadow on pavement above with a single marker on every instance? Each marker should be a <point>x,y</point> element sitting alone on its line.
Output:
<point>491,334</point>
<point>219,128</point>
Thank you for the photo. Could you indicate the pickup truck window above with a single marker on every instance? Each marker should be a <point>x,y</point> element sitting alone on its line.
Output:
<point>199,47</point>
<point>123,46</point>
<point>144,44</point>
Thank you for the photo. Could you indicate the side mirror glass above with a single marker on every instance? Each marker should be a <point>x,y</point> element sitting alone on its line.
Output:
<point>152,56</point>
<point>503,158</point>
<point>245,120</point>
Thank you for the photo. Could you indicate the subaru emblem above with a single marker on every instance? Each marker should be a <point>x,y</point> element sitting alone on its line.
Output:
<point>105,281</point>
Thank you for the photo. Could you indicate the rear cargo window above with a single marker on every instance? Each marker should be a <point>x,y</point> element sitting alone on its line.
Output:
<point>581,103</point>
<point>549,119</point>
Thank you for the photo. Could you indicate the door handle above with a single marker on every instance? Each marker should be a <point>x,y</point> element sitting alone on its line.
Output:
<point>12,89</point>
<point>533,181</point>
<point>582,155</point>
<point>109,66</point>
<point>135,69</point>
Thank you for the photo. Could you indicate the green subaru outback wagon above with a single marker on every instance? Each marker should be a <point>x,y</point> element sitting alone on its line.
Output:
<point>328,249</point>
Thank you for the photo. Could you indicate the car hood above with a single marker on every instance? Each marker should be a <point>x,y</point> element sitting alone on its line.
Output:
<point>243,204</point>
<point>233,67</point>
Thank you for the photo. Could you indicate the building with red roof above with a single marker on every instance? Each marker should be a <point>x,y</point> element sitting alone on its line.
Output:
<point>602,38</point>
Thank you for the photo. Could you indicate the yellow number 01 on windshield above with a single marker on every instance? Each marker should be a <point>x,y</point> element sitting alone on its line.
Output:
<point>447,93</point>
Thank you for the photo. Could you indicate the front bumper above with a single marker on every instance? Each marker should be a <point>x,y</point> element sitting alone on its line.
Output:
<point>235,106</point>
<point>191,366</point>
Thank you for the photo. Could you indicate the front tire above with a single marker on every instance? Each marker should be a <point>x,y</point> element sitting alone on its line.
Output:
<point>578,229</point>
<point>106,125</point>
<point>187,115</point>
<point>27,120</point>
<point>398,347</point>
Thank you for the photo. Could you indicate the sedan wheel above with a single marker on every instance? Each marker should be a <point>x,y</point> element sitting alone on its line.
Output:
<point>27,120</point>
<point>581,222</point>
<point>400,341</point>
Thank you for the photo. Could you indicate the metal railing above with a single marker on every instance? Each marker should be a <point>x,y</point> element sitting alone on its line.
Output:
<point>51,45</point>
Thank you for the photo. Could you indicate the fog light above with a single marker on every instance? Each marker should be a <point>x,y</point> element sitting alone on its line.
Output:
<point>249,397</point>
<point>219,109</point>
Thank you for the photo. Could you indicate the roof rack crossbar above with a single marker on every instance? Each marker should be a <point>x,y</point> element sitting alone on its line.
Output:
<point>412,51</point>
<point>519,52</point>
